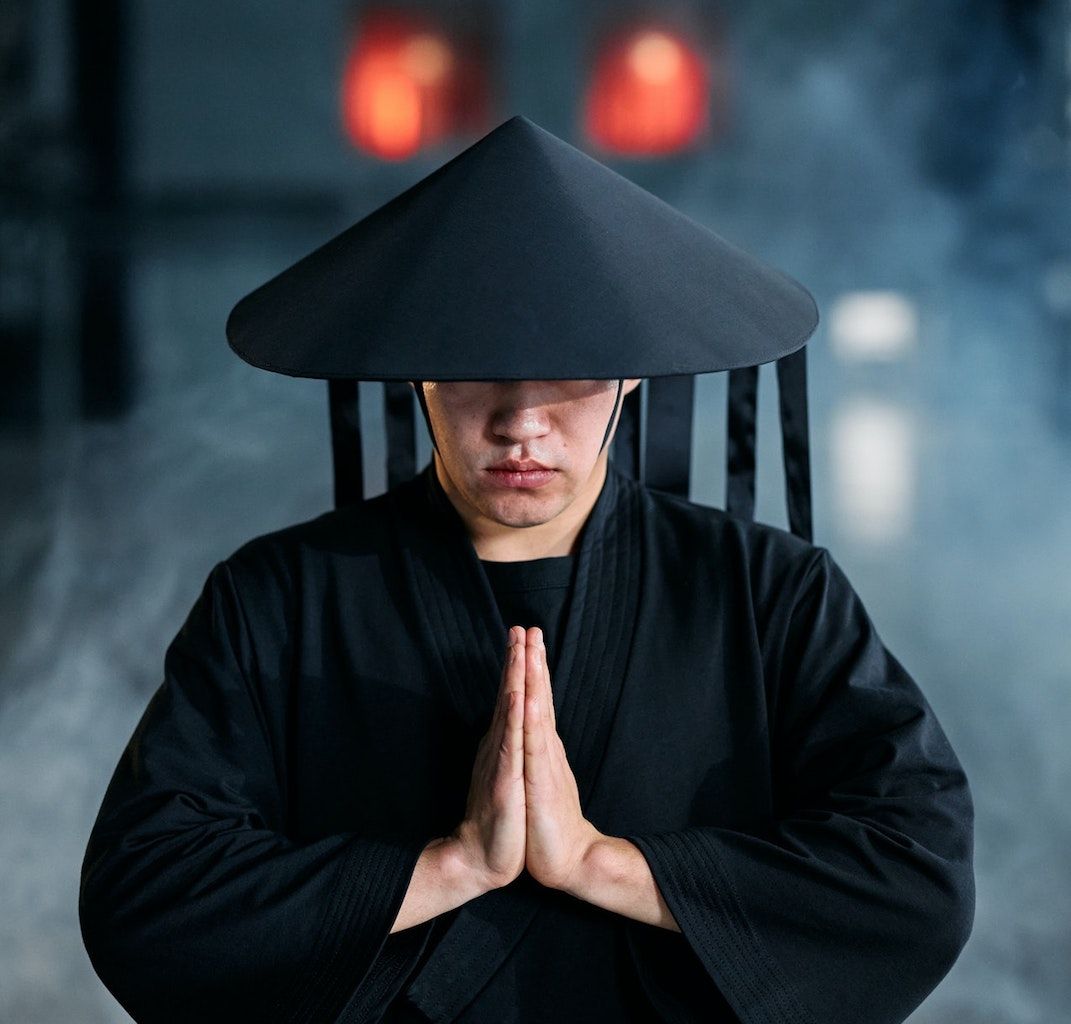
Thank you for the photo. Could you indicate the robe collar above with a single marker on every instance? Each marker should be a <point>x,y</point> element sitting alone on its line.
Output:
<point>467,639</point>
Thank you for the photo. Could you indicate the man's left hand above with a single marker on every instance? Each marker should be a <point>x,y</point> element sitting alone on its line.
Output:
<point>559,837</point>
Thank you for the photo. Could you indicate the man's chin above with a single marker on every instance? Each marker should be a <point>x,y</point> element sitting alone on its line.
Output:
<point>523,509</point>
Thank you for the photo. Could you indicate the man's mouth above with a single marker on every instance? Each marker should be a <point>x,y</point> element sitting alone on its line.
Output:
<point>518,465</point>
<point>517,474</point>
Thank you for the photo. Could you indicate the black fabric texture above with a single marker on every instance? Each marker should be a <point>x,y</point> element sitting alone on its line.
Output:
<point>726,705</point>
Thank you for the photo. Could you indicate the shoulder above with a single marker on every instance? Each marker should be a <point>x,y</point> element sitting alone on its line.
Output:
<point>760,554</point>
<point>278,561</point>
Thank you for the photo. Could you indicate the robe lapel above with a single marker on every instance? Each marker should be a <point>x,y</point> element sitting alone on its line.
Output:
<point>467,636</point>
<point>458,616</point>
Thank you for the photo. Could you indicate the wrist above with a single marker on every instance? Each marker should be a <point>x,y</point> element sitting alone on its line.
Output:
<point>459,870</point>
<point>591,867</point>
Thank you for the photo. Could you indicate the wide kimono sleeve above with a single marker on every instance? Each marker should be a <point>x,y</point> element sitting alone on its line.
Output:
<point>194,903</point>
<point>857,899</point>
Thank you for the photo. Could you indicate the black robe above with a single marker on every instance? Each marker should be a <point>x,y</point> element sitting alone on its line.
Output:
<point>725,702</point>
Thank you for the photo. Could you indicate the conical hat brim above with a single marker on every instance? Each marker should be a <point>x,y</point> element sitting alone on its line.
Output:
<point>522,258</point>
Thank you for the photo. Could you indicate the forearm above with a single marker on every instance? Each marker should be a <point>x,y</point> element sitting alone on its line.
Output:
<point>441,881</point>
<point>615,875</point>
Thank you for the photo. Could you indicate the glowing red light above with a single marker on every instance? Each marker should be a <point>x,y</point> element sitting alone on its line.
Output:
<point>404,84</point>
<point>649,93</point>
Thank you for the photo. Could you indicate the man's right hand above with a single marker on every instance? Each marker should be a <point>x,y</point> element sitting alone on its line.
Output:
<point>491,839</point>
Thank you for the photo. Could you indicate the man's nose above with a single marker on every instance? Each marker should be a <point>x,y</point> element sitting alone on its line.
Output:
<point>521,412</point>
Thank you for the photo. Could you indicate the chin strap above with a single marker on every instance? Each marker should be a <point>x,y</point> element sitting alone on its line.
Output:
<point>617,401</point>
<point>418,386</point>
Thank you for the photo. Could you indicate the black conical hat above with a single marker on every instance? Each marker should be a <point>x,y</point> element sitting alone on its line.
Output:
<point>522,258</point>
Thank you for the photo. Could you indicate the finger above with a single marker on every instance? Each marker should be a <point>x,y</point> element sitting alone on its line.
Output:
<point>496,731</point>
<point>513,729</point>
<point>553,744</point>
<point>534,641</point>
<point>541,676</point>
<point>536,757</point>
<point>512,673</point>
<point>512,635</point>
<point>546,684</point>
<point>535,742</point>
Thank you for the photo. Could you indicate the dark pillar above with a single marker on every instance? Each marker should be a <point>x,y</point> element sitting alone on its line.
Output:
<point>104,348</point>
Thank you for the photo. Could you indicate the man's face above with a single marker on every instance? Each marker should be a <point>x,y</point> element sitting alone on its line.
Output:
<point>559,424</point>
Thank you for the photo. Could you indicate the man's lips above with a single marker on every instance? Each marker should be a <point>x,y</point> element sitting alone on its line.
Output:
<point>518,465</point>
<point>533,474</point>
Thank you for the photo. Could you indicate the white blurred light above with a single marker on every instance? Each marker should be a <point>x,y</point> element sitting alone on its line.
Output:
<point>881,325</point>
<point>873,469</point>
<point>1056,284</point>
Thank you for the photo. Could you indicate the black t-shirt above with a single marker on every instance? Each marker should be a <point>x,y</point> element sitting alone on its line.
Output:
<point>534,593</point>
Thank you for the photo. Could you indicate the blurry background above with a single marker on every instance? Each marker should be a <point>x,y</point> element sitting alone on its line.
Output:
<point>909,162</point>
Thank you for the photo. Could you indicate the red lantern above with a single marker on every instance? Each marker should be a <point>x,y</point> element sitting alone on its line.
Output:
<point>649,92</point>
<point>406,85</point>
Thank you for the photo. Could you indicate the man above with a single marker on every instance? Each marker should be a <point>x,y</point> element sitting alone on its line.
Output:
<point>524,743</point>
